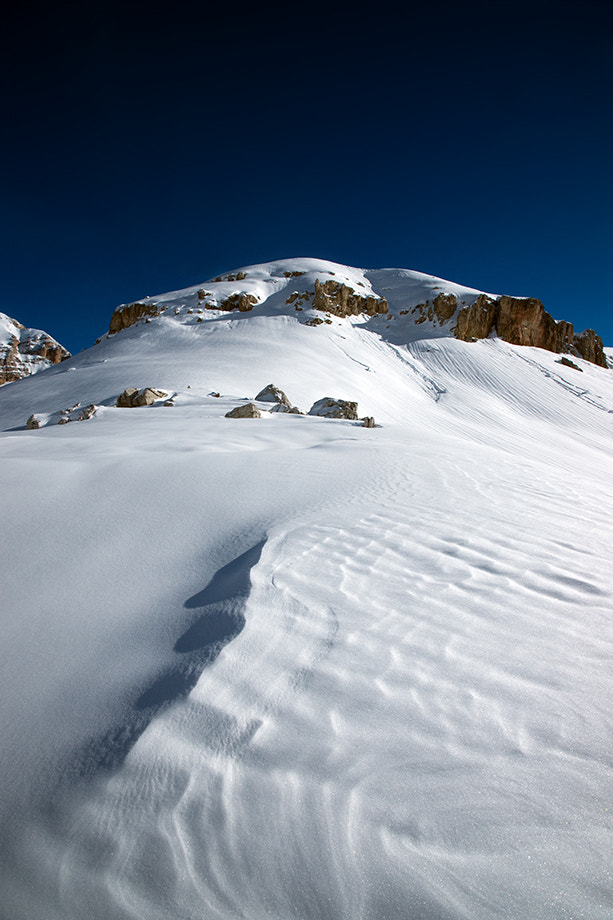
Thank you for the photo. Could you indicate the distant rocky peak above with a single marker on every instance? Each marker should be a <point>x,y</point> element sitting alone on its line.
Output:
<point>26,351</point>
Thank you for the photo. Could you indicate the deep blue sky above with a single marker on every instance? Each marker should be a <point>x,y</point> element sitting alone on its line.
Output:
<point>146,150</point>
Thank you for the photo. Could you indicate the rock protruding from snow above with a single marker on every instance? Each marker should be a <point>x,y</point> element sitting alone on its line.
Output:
<point>568,363</point>
<point>369,422</point>
<point>520,321</point>
<point>281,403</point>
<point>248,410</point>
<point>239,301</point>
<point>341,300</point>
<point>328,407</point>
<point>477,320</point>
<point>76,413</point>
<point>132,398</point>
<point>26,351</point>
<point>442,309</point>
<point>524,321</point>
<point>590,347</point>
<point>273,394</point>
<point>128,314</point>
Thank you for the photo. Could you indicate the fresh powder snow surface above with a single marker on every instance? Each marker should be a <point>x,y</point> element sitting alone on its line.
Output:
<point>292,667</point>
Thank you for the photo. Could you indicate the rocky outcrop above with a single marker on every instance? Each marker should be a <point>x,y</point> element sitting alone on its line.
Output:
<point>589,346</point>
<point>341,300</point>
<point>128,314</point>
<point>132,398</point>
<point>328,407</point>
<point>368,422</point>
<point>26,351</point>
<point>442,309</point>
<point>40,345</point>
<point>248,410</point>
<point>445,306</point>
<point>476,321</point>
<point>523,321</point>
<point>242,302</point>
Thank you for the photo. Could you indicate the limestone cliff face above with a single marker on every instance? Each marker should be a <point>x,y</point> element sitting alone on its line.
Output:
<point>589,346</point>
<point>128,314</point>
<point>524,321</point>
<point>25,351</point>
<point>341,300</point>
<point>476,321</point>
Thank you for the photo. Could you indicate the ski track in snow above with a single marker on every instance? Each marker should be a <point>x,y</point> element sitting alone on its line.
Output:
<point>326,672</point>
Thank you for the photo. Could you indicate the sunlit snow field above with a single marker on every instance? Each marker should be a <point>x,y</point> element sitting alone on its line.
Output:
<point>412,717</point>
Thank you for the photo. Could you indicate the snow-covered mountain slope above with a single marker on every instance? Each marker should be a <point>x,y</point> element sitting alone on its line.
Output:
<point>294,667</point>
<point>25,351</point>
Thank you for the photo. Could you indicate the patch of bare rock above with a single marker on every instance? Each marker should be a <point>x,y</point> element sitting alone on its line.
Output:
<point>242,302</point>
<point>128,314</point>
<point>442,308</point>
<point>341,300</point>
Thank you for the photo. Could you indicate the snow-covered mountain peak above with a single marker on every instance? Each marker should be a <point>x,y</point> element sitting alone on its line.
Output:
<point>294,286</point>
<point>26,351</point>
<point>302,585</point>
<point>399,305</point>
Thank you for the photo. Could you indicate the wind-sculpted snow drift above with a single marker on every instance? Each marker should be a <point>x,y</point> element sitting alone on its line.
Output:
<point>288,666</point>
